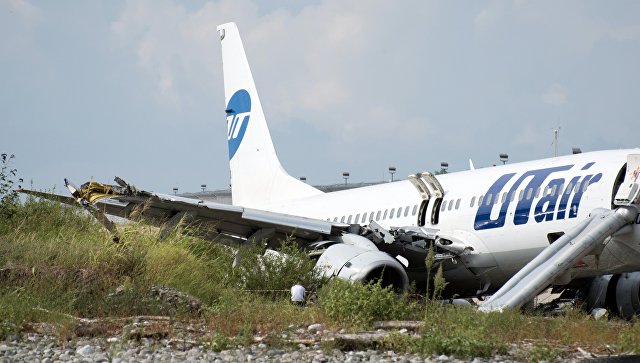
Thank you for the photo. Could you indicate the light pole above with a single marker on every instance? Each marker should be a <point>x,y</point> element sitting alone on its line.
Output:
<point>392,170</point>
<point>444,166</point>
<point>175,190</point>
<point>203,186</point>
<point>504,158</point>
<point>345,175</point>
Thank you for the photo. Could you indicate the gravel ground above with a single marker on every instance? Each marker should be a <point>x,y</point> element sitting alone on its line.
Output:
<point>39,348</point>
<point>157,339</point>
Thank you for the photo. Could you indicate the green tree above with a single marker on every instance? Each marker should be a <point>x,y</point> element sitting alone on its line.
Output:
<point>8,195</point>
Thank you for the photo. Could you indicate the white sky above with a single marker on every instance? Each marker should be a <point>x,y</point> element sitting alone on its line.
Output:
<point>134,88</point>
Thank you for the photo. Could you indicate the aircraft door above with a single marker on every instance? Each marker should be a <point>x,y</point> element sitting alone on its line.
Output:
<point>429,189</point>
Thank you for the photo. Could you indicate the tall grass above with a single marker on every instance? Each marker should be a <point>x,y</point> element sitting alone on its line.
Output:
<point>359,305</point>
<point>57,258</point>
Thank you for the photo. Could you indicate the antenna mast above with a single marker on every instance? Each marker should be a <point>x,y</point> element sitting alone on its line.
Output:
<point>556,132</point>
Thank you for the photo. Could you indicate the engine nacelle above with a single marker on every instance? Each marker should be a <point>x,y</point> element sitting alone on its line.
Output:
<point>355,263</point>
<point>620,293</point>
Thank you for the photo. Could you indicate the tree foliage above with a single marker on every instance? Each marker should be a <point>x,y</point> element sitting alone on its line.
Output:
<point>8,195</point>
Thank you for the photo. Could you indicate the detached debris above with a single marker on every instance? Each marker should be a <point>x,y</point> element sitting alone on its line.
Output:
<point>168,299</point>
<point>399,324</point>
<point>176,299</point>
<point>373,339</point>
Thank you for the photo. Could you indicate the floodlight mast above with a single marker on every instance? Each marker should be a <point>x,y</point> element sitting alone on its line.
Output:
<point>392,170</point>
<point>444,166</point>
<point>504,158</point>
<point>345,175</point>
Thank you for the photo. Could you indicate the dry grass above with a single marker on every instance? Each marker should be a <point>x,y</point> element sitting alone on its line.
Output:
<point>55,258</point>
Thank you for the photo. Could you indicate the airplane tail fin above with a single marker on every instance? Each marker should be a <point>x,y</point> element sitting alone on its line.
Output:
<point>257,177</point>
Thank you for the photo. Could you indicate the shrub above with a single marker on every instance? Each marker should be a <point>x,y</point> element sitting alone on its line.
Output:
<point>173,265</point>
<point>257,270</point>
<point>358,305</point>
<point>460,331</point>
<point>8,196</point>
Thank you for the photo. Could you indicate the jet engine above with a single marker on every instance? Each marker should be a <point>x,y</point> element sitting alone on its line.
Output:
<point>356,263</point>
<point>619,293</point>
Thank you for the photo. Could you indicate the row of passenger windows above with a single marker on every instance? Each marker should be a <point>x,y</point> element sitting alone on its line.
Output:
<point>454,204</point>
<point>377,216</point>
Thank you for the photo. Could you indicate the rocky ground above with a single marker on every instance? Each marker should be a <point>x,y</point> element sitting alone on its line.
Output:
<point>163,339</point>
<point>157,339</point>
<point>47,349</point>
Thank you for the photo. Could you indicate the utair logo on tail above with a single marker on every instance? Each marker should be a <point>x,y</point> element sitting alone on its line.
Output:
<point>560,199</point>
<point>238,112</point>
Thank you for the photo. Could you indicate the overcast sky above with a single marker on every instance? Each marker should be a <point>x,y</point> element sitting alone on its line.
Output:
<point>134,88</point>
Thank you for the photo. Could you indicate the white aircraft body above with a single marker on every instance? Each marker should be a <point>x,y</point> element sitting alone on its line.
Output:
<point>510,230</point>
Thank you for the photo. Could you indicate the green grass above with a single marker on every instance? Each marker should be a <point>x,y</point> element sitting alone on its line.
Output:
<point>56,258</point>
<point>358,305</point>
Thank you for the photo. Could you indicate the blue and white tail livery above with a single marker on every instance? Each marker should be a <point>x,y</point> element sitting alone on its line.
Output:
<point>257,177</point>
<point>511,230</point>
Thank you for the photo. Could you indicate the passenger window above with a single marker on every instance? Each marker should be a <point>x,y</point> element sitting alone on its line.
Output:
<point>356,219</point>
<point>450,204</point>
<point>371,216</point>
<point>480,200</point>
<point>473,201</point>
<point>378,216</point>
<point>488,200</point>
<point>569,188</point>
<point>342,219</point>
<point>349,219</point>
<point>504,197</point>
<point>529,193</point>
<point>385,214</point>
<point>392,213</point>
<point>364,217</point>
<point>415,210</point>
<point>538,192</point>
<point>399,212</point>
<point>406,211</point>
<point>444,206</point>
<point>577,187</point>
<point>585,185</point>
<point>521,195</point>
<point>457,203</point>
<point>512,197</point>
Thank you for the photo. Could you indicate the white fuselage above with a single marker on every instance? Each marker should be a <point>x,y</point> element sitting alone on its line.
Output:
<point>510,211</point>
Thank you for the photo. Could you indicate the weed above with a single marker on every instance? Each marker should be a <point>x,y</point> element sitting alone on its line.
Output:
<point>257,270</point>
<point>358,305</point>
<point>220,342</point>
<point>629,338</point>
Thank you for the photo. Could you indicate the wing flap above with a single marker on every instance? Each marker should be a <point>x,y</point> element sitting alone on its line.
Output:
<point>217,219</point>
